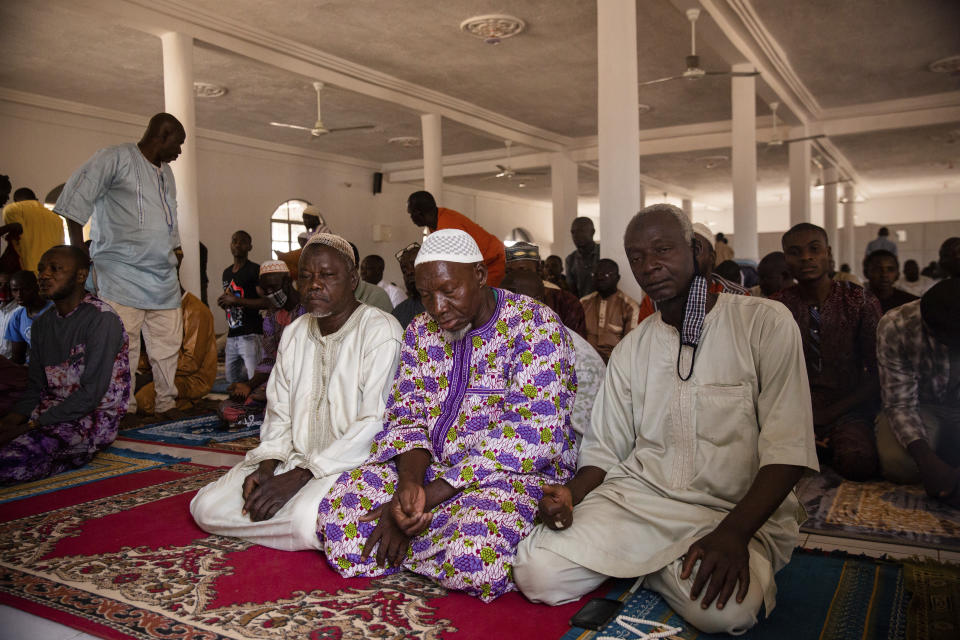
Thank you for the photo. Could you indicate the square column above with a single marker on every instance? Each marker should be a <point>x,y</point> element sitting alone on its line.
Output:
<point>847,239</point>
<point>432,155</point>
<point>618,130</point>
<point>744,164</point>
<point>179,101</point>
<point>799,182</point>
<point>830,211</point>
<point>564,187</point>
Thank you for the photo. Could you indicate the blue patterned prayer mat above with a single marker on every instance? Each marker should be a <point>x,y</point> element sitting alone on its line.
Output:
<point>192,432</point>
<point>819,595</point>
<point>880,511</point>
<point>112,462</point>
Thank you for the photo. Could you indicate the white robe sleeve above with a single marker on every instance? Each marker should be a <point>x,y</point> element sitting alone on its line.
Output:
<point>611,437</point>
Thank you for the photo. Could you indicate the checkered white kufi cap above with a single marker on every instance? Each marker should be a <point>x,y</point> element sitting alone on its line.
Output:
<point>704,230</point>
<point>449,245</point>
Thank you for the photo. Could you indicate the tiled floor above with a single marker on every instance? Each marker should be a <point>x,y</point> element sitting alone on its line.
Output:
<point>18,625</point>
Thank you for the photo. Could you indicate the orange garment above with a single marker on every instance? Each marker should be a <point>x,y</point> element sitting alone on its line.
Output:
<point>197,362</point>
<point>491,247</point>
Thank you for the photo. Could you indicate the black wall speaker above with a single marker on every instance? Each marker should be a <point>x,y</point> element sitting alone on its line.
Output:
<point>377,182</point>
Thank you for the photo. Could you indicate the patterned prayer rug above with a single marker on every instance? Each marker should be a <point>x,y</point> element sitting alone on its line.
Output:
<point>122,558</point>
<point>200,431</point>
<point>109,463</point>
<point>880,511</point>
<point>828,596</point>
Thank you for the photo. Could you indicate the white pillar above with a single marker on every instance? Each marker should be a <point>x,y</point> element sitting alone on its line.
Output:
<point>848,241</point>
<point>688,207</point>
<point>800,182</point>
<point>744,164</point>
<point>830,211</point>
<point>618,130</point>
<point>178,101</point>
<point>432,156</point>
<point>564,187</point>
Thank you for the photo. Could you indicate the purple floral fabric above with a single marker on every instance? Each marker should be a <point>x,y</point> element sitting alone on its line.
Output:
<point>493,410</point>
<point>56,447</point>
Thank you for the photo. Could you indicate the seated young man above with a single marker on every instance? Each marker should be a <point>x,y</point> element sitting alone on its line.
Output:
<point>248,399</point>
<point>701,429</point>
<point>25,290</point>
<point>918,431</point>
<point>78,383</point>
<point>883,271</point>
<point>838,324</point>
<point>325,402</point>
<point>478,421</point>
<point>197,362</point>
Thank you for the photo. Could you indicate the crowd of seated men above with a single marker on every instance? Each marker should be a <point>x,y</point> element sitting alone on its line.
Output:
<point>496,425</point>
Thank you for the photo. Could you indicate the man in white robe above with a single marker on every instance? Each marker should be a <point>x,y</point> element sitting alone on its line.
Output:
<point>685,474</point>
<point>325,402</point>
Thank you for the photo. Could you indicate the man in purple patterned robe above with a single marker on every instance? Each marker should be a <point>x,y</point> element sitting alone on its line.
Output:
<point>78,380</point>
<point>477,422</point>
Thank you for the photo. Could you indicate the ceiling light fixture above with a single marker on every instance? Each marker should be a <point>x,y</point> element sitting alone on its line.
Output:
<point>406,142</point>
<point>712,162</point>
<point>950,64</point>
<point>208,90</point>
<point>493,28</point>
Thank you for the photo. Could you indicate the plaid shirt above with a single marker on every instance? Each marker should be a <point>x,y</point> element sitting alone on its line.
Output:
<point>914,370</point>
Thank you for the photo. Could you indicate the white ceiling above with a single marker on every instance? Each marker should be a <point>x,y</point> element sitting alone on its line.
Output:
<point>545,80</point>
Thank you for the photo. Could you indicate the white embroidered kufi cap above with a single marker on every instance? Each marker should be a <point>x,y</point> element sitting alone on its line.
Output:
<point>449,245</point>
<point>274,266</point>
<point>334,242</point>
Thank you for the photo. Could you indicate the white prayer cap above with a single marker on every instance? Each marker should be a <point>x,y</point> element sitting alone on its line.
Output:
<point>303,235</point>
<point>449,245</point>
<point>334,242</point>
<point>274,266</point>
<point>704,230</point>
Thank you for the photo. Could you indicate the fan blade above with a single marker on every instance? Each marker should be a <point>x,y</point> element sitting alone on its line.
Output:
<point>658,80</point>
<point>501,167</point>
<point>291,126</point>
<point>816,137</point>
<point>531,173</point>
<point>734,74</point>
<point>359,126</point>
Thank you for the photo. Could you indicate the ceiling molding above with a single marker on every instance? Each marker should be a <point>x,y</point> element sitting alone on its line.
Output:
<point>159,16</point>
<point>753,45</point>
<point>57,105</point>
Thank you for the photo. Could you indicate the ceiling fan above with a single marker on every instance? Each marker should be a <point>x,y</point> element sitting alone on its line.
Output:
<point>776,141</point>
<point>507,173</point>
<point>693,71</point>
<point>318,129</point>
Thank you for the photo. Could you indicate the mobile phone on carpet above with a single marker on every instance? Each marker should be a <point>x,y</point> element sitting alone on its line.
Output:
<point>596,613</point>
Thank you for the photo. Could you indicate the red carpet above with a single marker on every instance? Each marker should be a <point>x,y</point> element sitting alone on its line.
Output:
<point>121,558</point>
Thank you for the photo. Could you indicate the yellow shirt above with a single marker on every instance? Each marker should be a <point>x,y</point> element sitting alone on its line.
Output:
<point>42,229</point>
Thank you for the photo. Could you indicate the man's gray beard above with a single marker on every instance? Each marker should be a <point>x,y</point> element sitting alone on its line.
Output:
<point>321,314</point>
<point>456,336</point>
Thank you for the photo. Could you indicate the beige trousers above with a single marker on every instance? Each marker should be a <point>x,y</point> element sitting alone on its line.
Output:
<point>548,577</point>
<point>163,334</point>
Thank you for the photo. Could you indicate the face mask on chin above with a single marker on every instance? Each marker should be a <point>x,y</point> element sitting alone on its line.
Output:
<point>277,298</point>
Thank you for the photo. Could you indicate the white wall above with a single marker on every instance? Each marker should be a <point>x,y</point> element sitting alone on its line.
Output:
<point>241,184</point>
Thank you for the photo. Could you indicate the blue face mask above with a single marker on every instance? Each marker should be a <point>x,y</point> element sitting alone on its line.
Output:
<point>277,298</point>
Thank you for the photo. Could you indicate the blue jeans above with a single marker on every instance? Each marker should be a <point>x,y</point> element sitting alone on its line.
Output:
<point>242,356</point>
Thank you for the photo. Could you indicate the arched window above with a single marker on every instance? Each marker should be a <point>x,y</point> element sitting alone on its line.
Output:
<point>286,223</point>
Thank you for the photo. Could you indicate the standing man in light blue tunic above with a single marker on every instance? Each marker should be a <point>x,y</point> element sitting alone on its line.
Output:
<point>129,195</point>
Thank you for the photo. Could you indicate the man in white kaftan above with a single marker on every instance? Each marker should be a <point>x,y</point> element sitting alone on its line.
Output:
<point>325,403</point>
<point>676,456</point>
